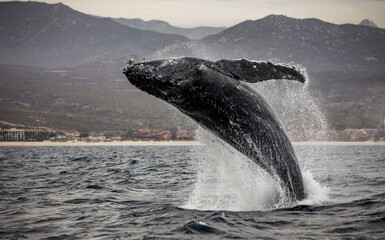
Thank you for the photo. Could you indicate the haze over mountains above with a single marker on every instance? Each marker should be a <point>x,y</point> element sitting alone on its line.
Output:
<point>74,80</point>
<point>165,27</point>
<point>54,35</point>
<point>317,45</point>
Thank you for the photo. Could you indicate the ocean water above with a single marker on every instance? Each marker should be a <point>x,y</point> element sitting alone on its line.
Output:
<point>179,192</point>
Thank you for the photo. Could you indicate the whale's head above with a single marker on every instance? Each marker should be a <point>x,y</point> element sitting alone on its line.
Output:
<point>167,79</point>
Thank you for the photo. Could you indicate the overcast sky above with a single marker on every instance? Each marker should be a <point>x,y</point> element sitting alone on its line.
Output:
<point>192,13</point>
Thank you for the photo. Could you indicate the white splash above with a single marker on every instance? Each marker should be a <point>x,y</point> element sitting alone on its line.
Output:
<point>293,104</point>
<point>316,194</point>
<point>227,180</point>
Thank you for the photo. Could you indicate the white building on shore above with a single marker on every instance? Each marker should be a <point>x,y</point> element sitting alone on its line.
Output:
<point>12,134</point>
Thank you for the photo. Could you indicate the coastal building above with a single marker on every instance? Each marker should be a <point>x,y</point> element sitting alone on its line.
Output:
<point>343,136</point>
<point>15,134</point>
<point>32,134</point>
<point>184,135</point>
<point>361,134</point>
<point>334,135</point>
<point>150,134</point>
<point>12,134</point>
<point>371,133</point>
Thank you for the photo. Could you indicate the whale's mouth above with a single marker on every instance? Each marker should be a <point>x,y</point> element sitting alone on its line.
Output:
<point>129,65</point>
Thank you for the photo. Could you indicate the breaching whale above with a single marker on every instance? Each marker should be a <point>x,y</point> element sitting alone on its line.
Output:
<point>215,96</point>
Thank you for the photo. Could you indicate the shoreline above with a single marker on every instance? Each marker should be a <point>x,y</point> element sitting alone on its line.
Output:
<point>324,143</point>
<point>85,144</point>
<point>166,143</point>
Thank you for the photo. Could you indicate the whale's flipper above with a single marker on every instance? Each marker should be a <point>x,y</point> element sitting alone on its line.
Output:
<point>252,72</point>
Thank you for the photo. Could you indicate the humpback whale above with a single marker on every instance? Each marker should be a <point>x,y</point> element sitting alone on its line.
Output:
<point>216,96</point>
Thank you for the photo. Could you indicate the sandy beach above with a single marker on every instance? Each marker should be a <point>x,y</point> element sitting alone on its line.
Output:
<point>116,143</point>
<point>367,143</point>
<point>170,143</point>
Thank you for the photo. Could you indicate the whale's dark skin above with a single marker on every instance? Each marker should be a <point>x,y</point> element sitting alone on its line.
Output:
<point>214,95</point>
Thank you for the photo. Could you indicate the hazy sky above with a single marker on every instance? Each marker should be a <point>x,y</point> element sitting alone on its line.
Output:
<point>191,13</point>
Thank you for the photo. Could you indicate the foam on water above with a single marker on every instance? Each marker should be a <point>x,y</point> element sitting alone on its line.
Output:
<point>315,192</point>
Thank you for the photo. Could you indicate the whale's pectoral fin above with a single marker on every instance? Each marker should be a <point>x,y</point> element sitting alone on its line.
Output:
<point>258,71</point>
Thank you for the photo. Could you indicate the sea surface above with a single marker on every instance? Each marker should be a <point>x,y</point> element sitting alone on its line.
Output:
<point>196,192</point>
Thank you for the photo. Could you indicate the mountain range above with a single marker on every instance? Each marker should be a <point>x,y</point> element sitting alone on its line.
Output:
<point>165,27</point>
<point>315,44</point>
<point>71,74</point>
<point>54,35</point>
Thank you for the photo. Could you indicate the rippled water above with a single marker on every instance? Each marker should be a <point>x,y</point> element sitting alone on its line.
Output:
<point>178,193</point>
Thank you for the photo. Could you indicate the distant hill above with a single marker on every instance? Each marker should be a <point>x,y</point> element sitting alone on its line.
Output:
<point>54,35</point>
<point>92,97</point>
<point>368,23</point>
<point>97,97</point>
<point>165,27</point>
<point>317,45</point>
<point>349,99</point>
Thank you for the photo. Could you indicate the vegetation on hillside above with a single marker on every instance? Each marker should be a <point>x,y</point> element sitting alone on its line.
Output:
<point>96,98</point>
<point>75,100</point>
<point>350,99</point>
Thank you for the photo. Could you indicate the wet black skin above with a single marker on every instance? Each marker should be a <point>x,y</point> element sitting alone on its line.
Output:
<point>214,95</point>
